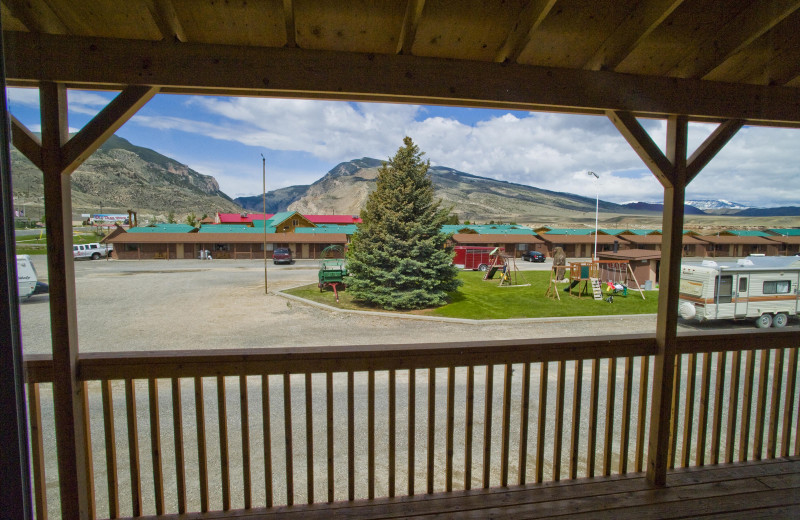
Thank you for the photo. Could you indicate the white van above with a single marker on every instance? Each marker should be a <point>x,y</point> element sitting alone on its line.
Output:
<point>28,282</point>
<point>764,288</point>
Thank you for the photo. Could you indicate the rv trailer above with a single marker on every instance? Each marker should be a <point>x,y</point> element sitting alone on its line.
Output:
<point>756,287</point>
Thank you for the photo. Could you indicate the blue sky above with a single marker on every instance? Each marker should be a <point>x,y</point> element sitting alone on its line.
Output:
<point>303,139</point>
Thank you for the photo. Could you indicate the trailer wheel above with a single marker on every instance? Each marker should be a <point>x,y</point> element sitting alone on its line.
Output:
<point>483,267</point>
<point>764,321</point>
<point>780,320</point>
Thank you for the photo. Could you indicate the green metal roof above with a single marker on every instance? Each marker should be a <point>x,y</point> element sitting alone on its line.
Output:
<point>489,229</point>
<point>233,228</point>
<point>641,232</point>
<point>347,229</point>
<point>162,228</point>
<point>786,232</point>
<point>614,231</point>
<point>747,233</point>
<point>570,231</point>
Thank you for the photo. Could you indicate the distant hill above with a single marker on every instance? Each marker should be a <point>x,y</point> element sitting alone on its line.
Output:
<point>659,208</point>
<point>121,176</point>
<point>344,190</point>
<point>711,204</point>
<point>785,211</point>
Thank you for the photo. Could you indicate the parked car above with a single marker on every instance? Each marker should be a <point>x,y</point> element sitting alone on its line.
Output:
<point>282,255</point>
<point>533,256</point>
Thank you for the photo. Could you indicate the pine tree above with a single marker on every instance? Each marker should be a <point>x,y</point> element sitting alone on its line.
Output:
<point>398,258</point>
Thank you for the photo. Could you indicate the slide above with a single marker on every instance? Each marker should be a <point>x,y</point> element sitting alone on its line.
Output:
<point>490,273</point>
<point>572,285</point>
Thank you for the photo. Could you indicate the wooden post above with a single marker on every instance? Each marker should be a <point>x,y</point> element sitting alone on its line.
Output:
<point>71,434</point>
<point>667,322</point>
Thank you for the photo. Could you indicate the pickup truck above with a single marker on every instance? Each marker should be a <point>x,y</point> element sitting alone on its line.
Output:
<point>93,251</point>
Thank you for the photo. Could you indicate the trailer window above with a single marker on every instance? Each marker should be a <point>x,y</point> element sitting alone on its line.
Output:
<point>723,286</point>
<point>778,287</point>
<point>742,284</point>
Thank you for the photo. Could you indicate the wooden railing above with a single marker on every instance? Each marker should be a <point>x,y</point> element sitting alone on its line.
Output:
<point>260,428</point>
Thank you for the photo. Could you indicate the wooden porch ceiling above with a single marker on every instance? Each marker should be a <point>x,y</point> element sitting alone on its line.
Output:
<point>710,60</point>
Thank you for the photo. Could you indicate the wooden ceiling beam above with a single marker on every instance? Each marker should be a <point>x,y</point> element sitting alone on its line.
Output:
<point>166,18</point>
<point>37,17</point>
<point>288,17</point>
<point>26,142</point>
<point>643,145</point>
<point>711,146</point>
<point>749,25</point>
<point>636,26</point>
<point>528,22</point>
<point>277,72</point>
<point>103,125</point>
<point>410,24</point>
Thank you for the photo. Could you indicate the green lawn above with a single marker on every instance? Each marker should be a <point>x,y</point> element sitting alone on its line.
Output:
<point>33,245</point>
<point>478,299</point>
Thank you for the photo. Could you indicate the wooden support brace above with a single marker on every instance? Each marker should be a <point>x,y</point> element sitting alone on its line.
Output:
<point>26,142</point>
<point>711,146</point>
<point>643,145</point>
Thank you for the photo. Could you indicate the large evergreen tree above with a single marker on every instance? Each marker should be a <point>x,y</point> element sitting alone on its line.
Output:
<point>398,258</point>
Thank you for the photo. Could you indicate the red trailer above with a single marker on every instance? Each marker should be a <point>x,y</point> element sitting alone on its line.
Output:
<point>477,258</point>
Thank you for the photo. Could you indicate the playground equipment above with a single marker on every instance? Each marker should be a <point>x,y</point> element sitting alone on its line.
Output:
<point>506,266</point>
<point>617,274</point>
<point>332,271</point>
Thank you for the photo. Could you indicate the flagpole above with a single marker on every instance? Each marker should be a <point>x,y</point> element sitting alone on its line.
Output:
<point>264,191</point>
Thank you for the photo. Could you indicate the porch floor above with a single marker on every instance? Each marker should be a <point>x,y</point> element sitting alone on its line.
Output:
<point>752,490</point>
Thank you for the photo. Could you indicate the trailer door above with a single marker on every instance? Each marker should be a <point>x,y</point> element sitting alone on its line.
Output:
<point>742,298</point>
<point>723,296</point>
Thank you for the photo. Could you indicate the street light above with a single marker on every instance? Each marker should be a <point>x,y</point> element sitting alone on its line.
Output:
<point>596,209</point>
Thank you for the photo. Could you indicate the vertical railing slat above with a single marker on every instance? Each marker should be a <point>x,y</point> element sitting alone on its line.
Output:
<point>625,425</point>
<point>287,431</point>
<point>702,416</point>
<point>719,394</point>
<point>224,455</point>
<point>487,427</point>
<point>733,406</point>
<point>506,425</point>
<point>244,404</point>
<point>412,416</point>
<point>775,406</point>
<point>351,467</point>
<point>451,393</point>
<point>791,376</point>
<point>688,417</point>
<point>87,446</point>
<point>371,434</point>
<point>558,436</point>
<point>329,431</point>
<point>267,432</point>
<point>611,390</point>
<point>594,396</point>
<point>761,404</point>
<point>133,447</point>
<point>37,451</point>
<point>392,431</point>
<point>111,449</point>
<point>644,376</point>
<point>747,400</point>
<point>431,425</point>
<point>177,435</point>
<point>541,424</point>
<point>575,441</point>
<point>524,412</point>
<point>676,411</point>
<point>469,413</point>
<point>309,441</point>
<point>155,443</point>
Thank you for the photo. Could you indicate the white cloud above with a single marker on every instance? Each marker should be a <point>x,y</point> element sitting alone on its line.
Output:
<point>551,151</point>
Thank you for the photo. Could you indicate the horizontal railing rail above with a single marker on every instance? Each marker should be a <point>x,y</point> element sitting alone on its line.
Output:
<point>239,429</point>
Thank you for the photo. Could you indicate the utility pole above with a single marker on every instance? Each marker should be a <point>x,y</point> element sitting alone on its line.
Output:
<point>264,179</point>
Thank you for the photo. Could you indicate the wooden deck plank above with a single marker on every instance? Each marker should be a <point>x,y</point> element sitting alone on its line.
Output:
<point>765,489</point>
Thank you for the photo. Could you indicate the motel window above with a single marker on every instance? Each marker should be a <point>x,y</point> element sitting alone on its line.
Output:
<point>778,287</point>
<point>295,222</point>
<point>723,286</point>
<point>221,247</point>
<point>131,247</point>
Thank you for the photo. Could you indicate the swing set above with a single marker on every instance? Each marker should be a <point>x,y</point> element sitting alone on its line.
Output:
<point>617,275</point>
<point>506,266</point>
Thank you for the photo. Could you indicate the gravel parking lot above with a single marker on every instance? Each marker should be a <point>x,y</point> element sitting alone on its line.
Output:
<point>195,304</point>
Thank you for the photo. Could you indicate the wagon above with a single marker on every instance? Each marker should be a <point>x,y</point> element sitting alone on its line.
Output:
<point>332,271</point>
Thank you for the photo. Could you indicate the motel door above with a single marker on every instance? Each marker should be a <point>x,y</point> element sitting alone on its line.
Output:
<point>741,291</point>
<point>179,251</point>
<point>305,251</point>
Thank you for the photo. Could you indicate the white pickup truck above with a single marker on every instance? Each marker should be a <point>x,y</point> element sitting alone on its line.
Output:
<point>93,251</point>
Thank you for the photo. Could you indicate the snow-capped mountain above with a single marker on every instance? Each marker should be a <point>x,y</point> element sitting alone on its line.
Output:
<point>708,204</point>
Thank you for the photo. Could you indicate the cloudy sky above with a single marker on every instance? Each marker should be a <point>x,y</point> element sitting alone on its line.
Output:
<point>302,140</point>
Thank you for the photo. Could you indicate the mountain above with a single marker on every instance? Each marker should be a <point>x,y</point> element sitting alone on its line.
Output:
<point>121,176</point>
<point>785,211</point>
<point>344,190</point>
<point>706,204</point>
<point>659,208</point>
<point>277,200</point>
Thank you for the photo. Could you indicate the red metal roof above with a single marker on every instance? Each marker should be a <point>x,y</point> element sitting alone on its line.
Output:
<point>237,218</point>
